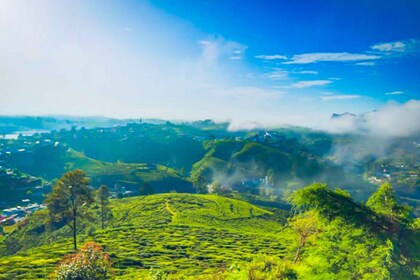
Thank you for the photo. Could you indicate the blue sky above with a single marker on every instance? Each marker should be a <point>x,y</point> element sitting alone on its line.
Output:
<point>288,28</point>
<point>265,62</point>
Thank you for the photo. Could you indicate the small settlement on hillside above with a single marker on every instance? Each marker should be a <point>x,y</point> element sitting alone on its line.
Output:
<point>16,214</point>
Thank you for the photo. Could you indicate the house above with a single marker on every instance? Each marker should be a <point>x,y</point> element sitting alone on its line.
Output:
<point>33,207</point>
<point>14,211</point>
<point>9,220</point>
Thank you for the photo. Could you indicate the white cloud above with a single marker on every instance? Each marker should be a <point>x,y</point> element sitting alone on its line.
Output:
<point>397,92</point>
<point>271,57</point>
<point>311,83</point>
<point>340,97</point>
<point>365,63</point>
<point>216,47</point>
<point>381,50</point>
<point>277,75</point>
<point>307,72</point>
<point>397,46</point>
<point>392,120</point>
<point>307,58</point>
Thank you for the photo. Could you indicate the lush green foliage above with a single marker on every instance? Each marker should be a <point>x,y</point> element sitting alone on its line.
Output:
<point>180,234</point>
<point>384,202</point>
<point>90,262</point>
<point>352,241</point>
<point>69,197</point>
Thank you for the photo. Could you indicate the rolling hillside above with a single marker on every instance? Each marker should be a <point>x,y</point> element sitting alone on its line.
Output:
<point>50,162</point>
<point>233,161</point>
<point>184,234</point>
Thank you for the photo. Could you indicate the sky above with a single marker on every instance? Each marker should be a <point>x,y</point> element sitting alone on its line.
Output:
<point>254,63</point>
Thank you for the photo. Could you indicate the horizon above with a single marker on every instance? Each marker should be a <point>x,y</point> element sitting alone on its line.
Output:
<point>271,63</point>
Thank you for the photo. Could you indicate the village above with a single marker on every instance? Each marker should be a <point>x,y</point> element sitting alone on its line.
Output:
<point>18,215</point>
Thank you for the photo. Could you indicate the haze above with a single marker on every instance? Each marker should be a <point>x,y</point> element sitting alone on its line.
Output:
<point>155,59</point>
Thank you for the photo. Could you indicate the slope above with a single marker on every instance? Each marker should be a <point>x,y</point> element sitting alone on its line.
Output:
<point>51,162</point>
<point>182,233</point>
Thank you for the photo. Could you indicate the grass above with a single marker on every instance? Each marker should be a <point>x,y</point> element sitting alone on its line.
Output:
<point>186,235</point>
<point>96,167</point>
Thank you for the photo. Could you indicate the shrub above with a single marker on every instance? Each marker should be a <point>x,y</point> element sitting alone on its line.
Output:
<point>261,268</point>
<point>157,274</point>
<point>89,263</point>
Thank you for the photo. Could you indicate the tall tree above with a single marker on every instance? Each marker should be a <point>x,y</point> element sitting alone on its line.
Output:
<point>103,196</point>
<point>70,195</point>
<point>384,202</point>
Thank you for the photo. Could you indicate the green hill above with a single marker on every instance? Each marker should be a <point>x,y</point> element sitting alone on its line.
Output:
<point>50,162</point>
<point>183,234</point>
<point>234,161</point>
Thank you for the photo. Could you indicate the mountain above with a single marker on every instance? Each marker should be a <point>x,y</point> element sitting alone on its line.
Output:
<point>343,115</point>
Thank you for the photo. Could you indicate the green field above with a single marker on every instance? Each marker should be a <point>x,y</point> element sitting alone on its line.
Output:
<point>183,234</point>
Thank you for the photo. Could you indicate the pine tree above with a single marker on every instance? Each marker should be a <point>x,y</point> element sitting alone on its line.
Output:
<point>69,196</point>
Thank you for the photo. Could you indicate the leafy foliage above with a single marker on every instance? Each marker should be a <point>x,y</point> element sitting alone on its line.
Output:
<point>352,241</point>
<point>261,268</point>
<point>89,263</point>
<point>70,194</point>
<point>182,235</point>
<point>384,202</point>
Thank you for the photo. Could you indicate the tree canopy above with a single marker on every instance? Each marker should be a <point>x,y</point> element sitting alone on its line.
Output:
<point>69,196</point>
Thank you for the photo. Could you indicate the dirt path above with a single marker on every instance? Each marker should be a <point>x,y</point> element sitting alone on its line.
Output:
<point>169,209</point>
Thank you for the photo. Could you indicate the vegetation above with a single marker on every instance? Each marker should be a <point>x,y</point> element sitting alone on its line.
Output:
<point>258,222</point>
<point>89,263</point>
<point>187,157</point>
<point>103,198</point>
<point>69,197</point>
<point>181,236</point>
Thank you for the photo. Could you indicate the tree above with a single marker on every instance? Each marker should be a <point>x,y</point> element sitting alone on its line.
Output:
<point>304,225</point>
<point>384,202</point>
<point>103,196</point>
<point>89,263</point>
<point>70,195</point>
<point>199,183</point>
<point>146,189</point>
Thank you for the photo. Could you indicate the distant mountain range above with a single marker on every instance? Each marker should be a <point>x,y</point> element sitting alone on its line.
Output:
<point>343,115</point>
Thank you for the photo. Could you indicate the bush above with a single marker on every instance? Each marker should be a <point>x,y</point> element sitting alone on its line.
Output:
<point>89,263</point>
<point>157,274</point>
<point>261,268</point>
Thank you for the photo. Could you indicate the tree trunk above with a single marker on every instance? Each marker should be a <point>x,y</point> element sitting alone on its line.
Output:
<point>302,242</point>
<point>74,229</point>
<point>297,254</point>
<point>102,213</point>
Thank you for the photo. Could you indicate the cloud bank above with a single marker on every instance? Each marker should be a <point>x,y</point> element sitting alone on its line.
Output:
<point>391,121</point>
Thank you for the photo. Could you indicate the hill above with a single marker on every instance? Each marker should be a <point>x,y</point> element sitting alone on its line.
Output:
<point>50,162</point>
<point>240,163</point>
<point>183,233</point>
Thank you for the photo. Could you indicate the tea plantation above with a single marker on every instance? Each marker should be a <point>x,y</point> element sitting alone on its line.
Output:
<point>184,235</point>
